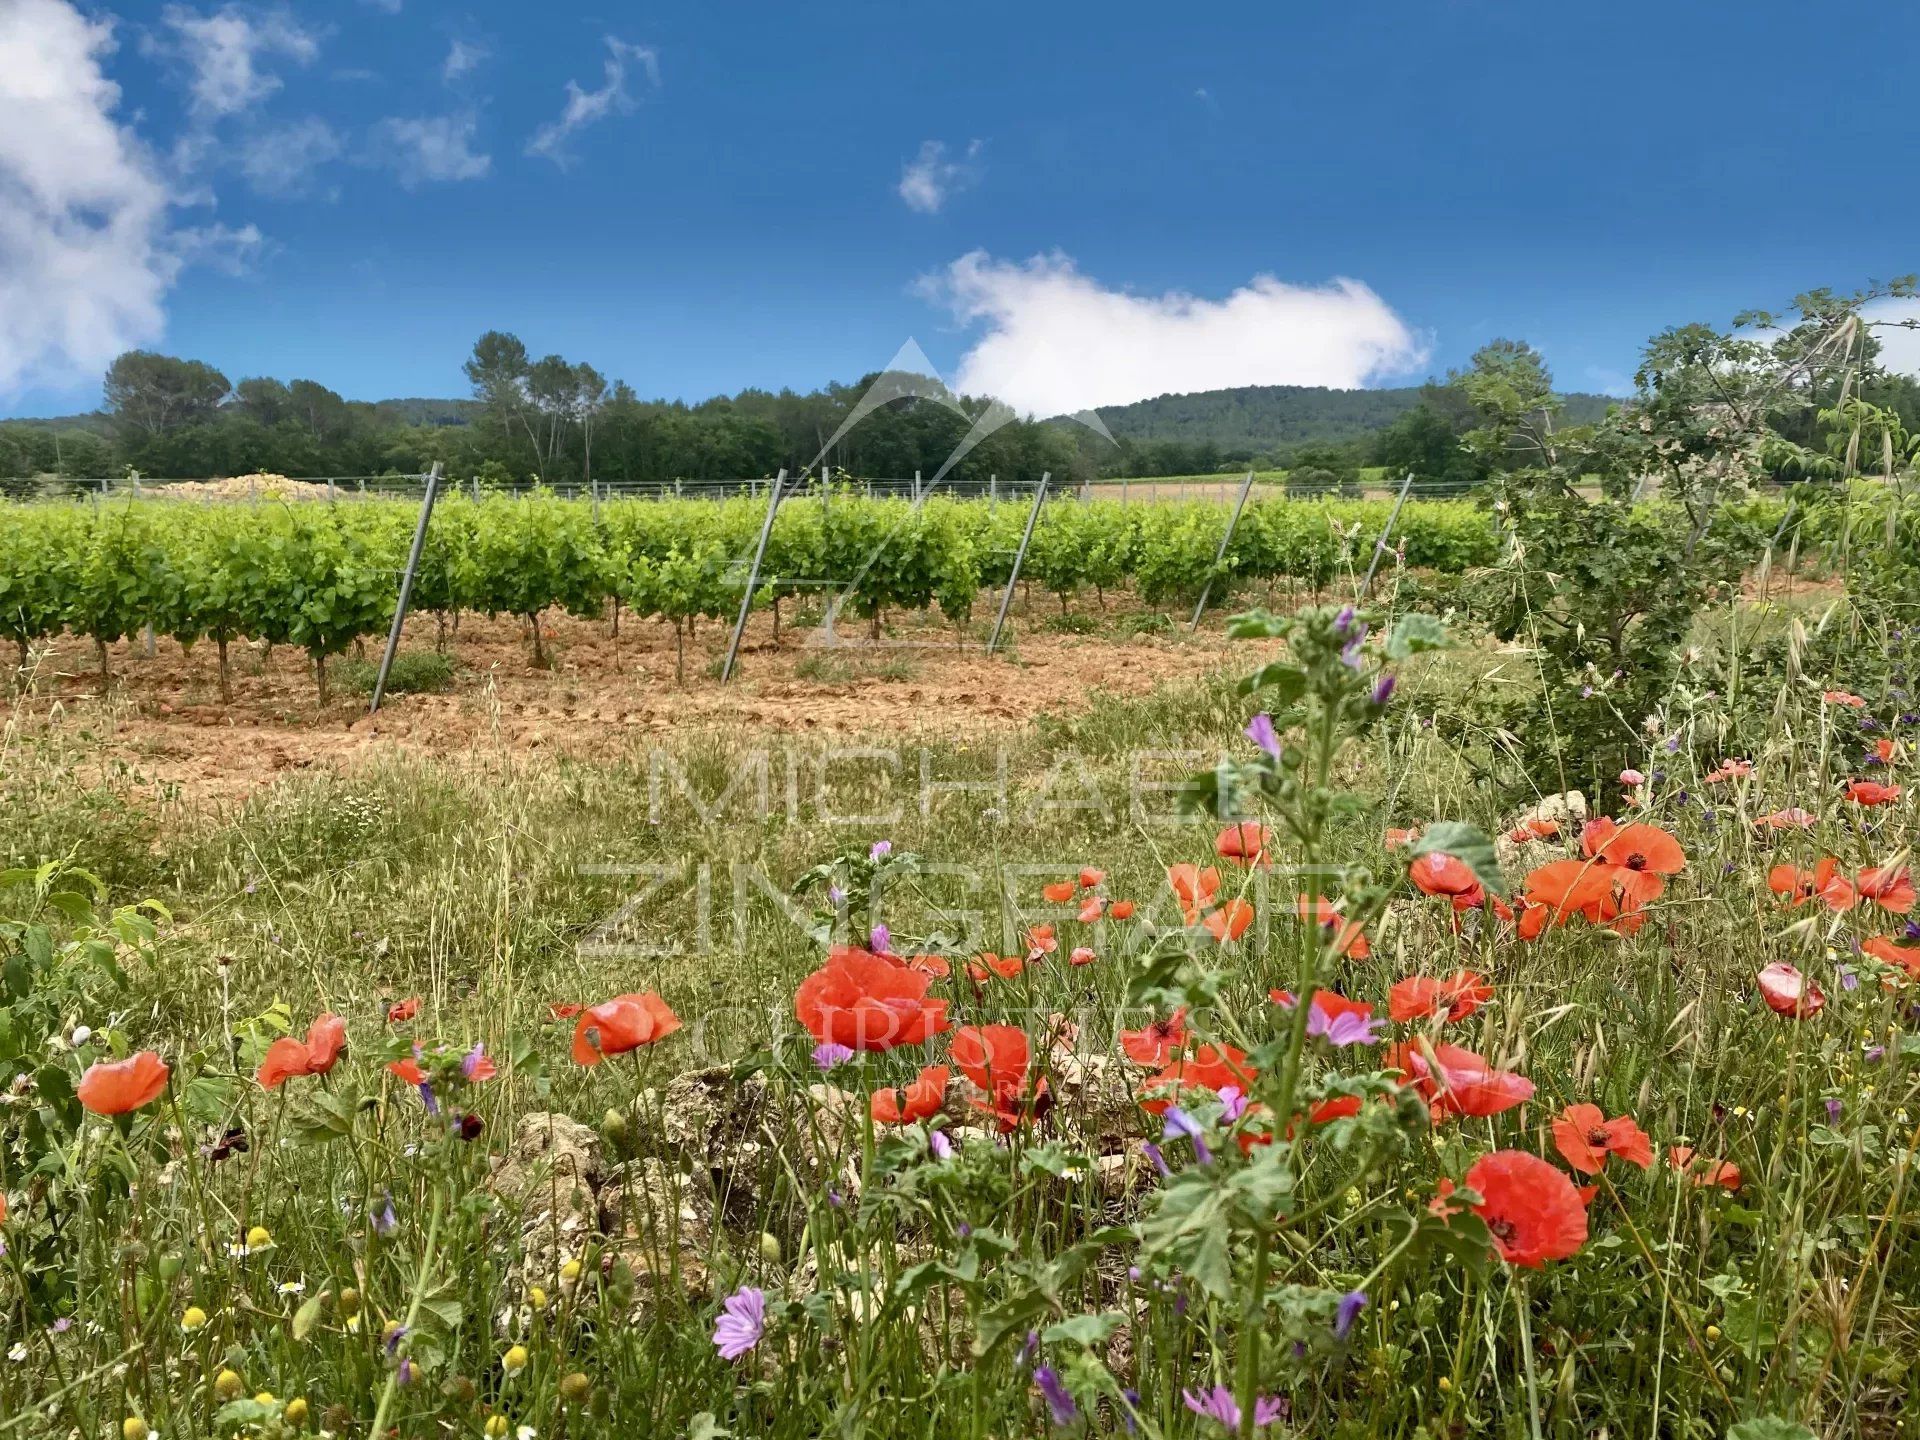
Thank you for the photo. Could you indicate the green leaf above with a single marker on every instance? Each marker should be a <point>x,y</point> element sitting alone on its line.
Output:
<point>1466,843</point>
<point>1414,633</point>
<point>1083,1329</point>
<point>1287,683</point>
<point>1770,1427</point>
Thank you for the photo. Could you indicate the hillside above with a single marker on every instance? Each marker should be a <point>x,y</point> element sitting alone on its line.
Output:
<point>1267,417</point>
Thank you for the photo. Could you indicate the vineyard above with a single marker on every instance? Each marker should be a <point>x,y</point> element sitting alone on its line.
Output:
<point>321,577</point>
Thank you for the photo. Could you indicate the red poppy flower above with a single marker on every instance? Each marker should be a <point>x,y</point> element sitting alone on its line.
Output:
<point>864,1002</point>
<point>1872,792</point>
<point>1458,996</point>
<point>1458,1082</point>
<point>1842,697</point>
<point>1121,910</point>
<point>1791,818</point>
<point>1531,1207</point>
<point>1090,909</point>
<point>565,1009</point>
<point>1883,751</point>
<point>987,965</point>
<point>318,1054</point>
<point>1041,941</point>
<point>623,1023</point>
<point>934,965</point>
<point>1082,955</point>
<point>1159,1042</point>
<point>1341,1107</point>
<point>1788,992</point>
<point>996,1058</point>
<point>1244,843</point>
<point>1888,886</point>
<point>118,1087</point>
<point>1211,1067</point>
<point>1230,921</point>
<point>1343,937</point>
<point>1705,1172</point>
<point>1396,838</point>
<point>1824,883</point>
<point>1585,1138</point>
<point>1058,892</point>
<point>403,1011</point>
<point>1907,957</point>
<point>924,1097</point>
<point>1729,770</point>
<point>1437,874</point>
<point>1195,887</point>
<point>409,1070</point>
<point>1090,877</point>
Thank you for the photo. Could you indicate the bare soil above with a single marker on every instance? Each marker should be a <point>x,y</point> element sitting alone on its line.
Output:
<point>162,721</point>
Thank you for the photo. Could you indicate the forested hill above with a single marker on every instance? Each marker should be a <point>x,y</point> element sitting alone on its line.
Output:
<point>1265,418</point>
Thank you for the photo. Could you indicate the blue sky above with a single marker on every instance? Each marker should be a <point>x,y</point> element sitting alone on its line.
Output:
<point>771,195</point>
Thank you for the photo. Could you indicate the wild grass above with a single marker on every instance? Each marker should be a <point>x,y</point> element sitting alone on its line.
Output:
<point>601,1215</point>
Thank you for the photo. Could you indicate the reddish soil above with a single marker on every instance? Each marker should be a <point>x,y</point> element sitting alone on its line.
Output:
<point>164,723</point>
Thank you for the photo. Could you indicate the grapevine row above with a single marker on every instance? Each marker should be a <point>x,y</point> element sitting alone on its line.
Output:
<point>320,577</point>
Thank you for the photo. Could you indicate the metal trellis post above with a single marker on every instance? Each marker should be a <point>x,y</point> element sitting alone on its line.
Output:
<point>406,587</point>
<point>1019,559</point>
<point>1233,520</point>
<point>1380,545</point>
<point>753,575</point>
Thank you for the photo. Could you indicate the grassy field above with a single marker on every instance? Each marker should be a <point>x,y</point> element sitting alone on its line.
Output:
<point>508,1239</point>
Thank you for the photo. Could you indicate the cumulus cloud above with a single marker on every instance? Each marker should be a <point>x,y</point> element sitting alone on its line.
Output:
<point>226,53</point>
<point>86,257</point>
<point>430,148</point>
<point>586,107</point>
<point>463,57</point>
<point>930,178</point>
<point>1057,341</point>
<point>280,160</point>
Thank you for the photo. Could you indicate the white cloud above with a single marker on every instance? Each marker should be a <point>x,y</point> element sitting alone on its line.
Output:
<point>1057,341</point>
<point>585,107</point>
<point>930,178</point>
<point>280,160</point>
<point>225,51</point>
<point>430,147</point>
<point>463,57</point>
<point>1899,342</point>
<point>86,258</point>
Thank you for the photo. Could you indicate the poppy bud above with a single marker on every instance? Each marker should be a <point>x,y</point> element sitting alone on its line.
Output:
<point>616,1131</point>
<point>170,1267</point>
<point>228,1385</point>
<point>769,1247</point>
<point>574,1388</point>
<point>296,1411</point>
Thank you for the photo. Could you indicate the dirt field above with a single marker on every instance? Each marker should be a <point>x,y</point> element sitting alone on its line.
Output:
<point>164,725</point>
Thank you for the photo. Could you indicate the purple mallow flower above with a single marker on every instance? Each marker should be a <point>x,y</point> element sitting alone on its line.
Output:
<point>1180,1123</point>
<point>880,850</point>
<point>1059,1403</point>
<point>1833,1112</point>
<point>880,940</point>
<point>1233,1103</point>
<point>1219,1404</point>
<point>830,1054</point>
<point>743,1320</point>
<point>1159,1161</point>
<point>1346,1028</point>
<point>1260,732</point>
<point>1383,689</point>
<point>941,1146</point>
<point>1348,1310</point>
